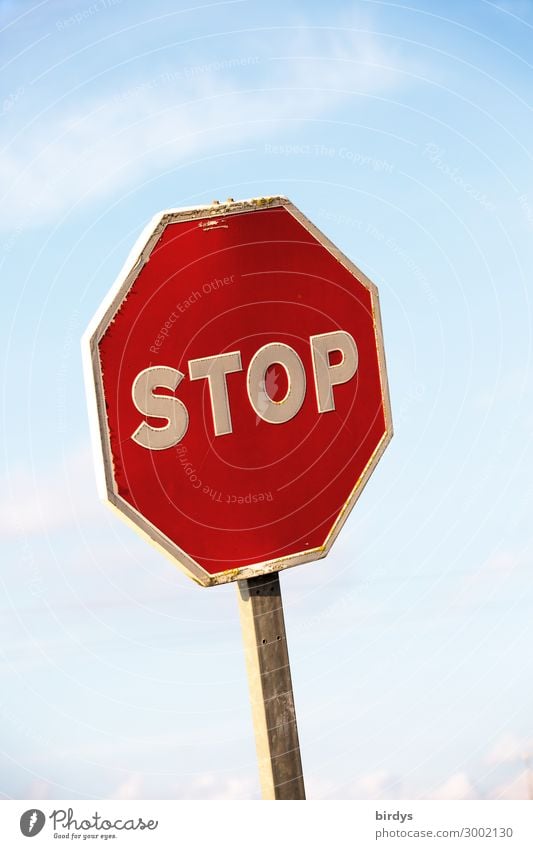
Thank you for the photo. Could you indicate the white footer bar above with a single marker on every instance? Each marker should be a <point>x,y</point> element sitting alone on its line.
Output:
<point>267,825</point>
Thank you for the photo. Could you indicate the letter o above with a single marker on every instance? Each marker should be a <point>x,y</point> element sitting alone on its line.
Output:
<point>276,412</point>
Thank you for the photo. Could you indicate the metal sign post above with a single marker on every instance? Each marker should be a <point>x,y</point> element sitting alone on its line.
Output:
<point>269,679</point>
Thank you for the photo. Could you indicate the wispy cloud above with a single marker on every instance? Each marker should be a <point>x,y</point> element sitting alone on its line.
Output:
<point>457,786</point>
<point>519,787</point>
<point>213,786</point>
<point>42,500</point>
<point>509,748</point>
<point>380,784</point>
<point>129,134</point>
<point>132,787</point>
<point>139,785</point>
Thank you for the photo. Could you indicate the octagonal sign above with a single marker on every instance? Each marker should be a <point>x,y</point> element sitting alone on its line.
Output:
<point>238,385</point>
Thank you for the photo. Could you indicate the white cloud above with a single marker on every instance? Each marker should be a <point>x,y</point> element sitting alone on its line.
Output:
<point>40,501</point>
<point>458,786</point>
<point>39,789</point>
<point>212,786</point>
<point>130,788</point>
<point>124,136</point>
<point>483,585</point>
<point>520,787</point>
<point>509,748</point>
<point>139,785</point>
<point>380,784</point>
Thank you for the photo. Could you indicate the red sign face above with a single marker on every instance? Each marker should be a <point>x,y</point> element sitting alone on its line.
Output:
<point>241,389</point>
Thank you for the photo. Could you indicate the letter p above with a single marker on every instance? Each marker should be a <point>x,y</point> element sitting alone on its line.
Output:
<point>327,375</point>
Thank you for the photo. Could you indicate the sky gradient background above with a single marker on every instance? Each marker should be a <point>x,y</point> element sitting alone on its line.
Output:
<point>404,132</point>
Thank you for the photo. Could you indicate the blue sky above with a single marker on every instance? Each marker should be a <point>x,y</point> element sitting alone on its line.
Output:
<point>404,132</point>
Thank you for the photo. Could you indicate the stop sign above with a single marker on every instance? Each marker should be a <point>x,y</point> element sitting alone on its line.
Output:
<point>238,383</point>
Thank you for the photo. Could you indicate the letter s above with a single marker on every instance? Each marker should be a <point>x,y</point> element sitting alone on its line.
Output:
<point>159,406</point>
